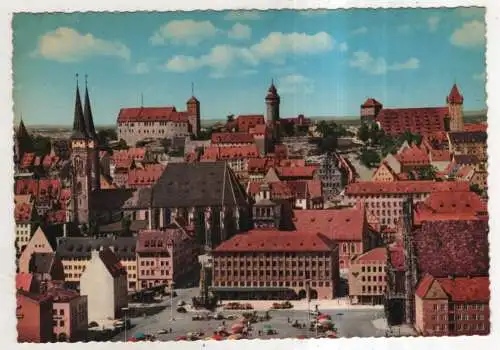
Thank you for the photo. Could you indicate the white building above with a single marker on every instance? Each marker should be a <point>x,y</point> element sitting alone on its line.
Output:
<point>104,282</point>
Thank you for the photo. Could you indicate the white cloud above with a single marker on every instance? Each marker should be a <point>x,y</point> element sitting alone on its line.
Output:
<point>242,16</point>
<point>275,48</point>
<point>67,45</point>
<point>479,76</point>
<point>411,63</point>
<point>311,13</point>
<point>433,23</point>
<point>359,31</point>
<point>377,66</point>
<point>343,47</point>
<point>277,45</point>
<point>187,32</point>
<point>295,84</point>
<point>240,32</point>
<point>404,29</point>
<point>219,59</point>
<point>470,35</point>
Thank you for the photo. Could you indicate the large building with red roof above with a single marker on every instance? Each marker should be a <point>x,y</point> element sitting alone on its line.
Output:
<point>452,306</point>
<point>269,263</point>
<point>139,123</point>
<point>420,120</point>
<point>384,200</point>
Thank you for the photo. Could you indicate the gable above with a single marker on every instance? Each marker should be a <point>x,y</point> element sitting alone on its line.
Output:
<point>435,292</point>
<point>37,244</point>
<point>383,174</point>
<point>271,176</point>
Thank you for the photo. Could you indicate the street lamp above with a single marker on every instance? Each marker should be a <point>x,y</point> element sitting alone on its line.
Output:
<point>125,310</point>
<point>172,301</point>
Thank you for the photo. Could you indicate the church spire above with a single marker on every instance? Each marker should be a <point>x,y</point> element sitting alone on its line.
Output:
<point>87,114</point>
<point>79,131</point>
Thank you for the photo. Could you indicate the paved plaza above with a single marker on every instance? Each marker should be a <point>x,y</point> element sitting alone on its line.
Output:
<point>350,321</point>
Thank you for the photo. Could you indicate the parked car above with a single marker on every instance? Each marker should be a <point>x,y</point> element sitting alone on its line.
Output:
<point>181,309</point>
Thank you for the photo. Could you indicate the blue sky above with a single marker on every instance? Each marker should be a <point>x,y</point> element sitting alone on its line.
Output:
<point>324,63</point>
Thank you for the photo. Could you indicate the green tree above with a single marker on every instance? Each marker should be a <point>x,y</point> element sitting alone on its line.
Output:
<point>122,144</point>
<point>475,188</point>
<point>369,158</point>
<point>288,129</point>
<point>364,132</point>
<point>230,118</point>
<point>329,144</point>
<point>126,224</point>
<point>427,173</point>
<point>41,145</point>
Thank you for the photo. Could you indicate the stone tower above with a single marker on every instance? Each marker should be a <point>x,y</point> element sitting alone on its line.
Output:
<point>273,110</point>
<point>193,109</point>
<point>84,165</point>
<point>455,103</point>
<point>93,143</point>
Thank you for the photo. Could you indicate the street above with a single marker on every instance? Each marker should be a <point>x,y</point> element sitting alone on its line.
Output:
<point>350,322</point>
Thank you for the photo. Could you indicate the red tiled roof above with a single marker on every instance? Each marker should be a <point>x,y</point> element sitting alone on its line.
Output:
<point>440,155</point>
<point>149,241</point>
<point>376,254</point>
<point>458,248</point>
<point>260,129</point>
<point>302,172</point>
<point>123,164</point>
<point>135,153</point>
<point>475,127</point>
<point>49,161</point>
<point>27,186</point>
<point>371,102</point>
<point>413,155</point>
<point>279,190</point>
<point>261,165</point>
<point>142,114</point>
<point>24,281</point>
<point>455,96</point>
<point>404,187</point>
<point>418,120</point>
<point>246,122</point>
<point>464,289</point>
<point>271,240</point>
<point>23,212</point>
<point>460,205</point>
<point>338,224</point>
<point>292,162</point>
<point>280,151</point>
<point>232,137</point>
<point>458,289</point>
<point>244,152</point>
<point>424,285</point>
<point>56,217</point>
<point>49,188</point>
<point>112,263</point>
<point>145,177</point>
<point>464,171</point>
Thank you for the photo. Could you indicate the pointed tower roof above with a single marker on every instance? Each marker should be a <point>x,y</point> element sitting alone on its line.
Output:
<point>22,132</point>
<point>455,96</point>
<point>272,92</point>
<point>87,115</point>
<point>193,100</point>
<point>79,131</point>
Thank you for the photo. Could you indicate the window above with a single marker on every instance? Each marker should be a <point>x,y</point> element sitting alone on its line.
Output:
<point>435,307</point>
<point>61,323</point>
<point>61,312</point>
<point>363,289</point>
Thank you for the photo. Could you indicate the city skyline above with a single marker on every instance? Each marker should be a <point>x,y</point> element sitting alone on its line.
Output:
<point>232,57</point>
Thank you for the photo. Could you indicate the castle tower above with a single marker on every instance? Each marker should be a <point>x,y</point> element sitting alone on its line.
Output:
<point>193,109</point>
<point>455,103</point>
<point>273,110</point>
<point>93,146</point>
<point>22,142</point>
<point>81,165</point>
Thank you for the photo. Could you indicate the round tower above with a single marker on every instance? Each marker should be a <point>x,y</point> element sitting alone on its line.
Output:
<point>273,110</point>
